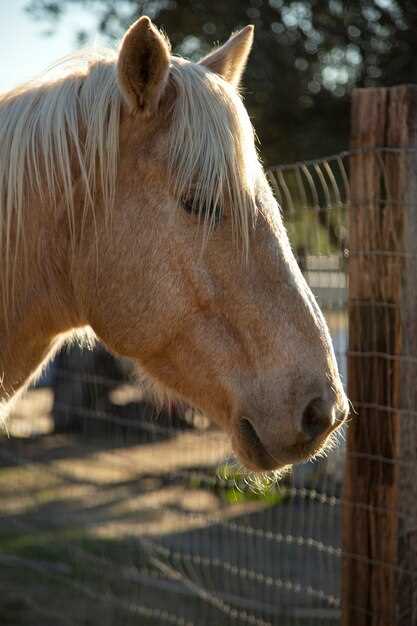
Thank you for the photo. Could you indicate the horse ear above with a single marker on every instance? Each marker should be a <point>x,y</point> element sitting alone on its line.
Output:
<point>230,59</point>
<point>143,66</point>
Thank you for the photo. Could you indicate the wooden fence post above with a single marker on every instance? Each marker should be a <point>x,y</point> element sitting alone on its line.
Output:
<point>379,570</point>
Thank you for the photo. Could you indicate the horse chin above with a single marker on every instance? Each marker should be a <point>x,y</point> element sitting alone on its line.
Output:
<point>259,465</point>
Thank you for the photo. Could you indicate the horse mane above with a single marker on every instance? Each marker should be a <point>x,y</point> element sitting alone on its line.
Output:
<point>70,117</point>
<point>212,155</point>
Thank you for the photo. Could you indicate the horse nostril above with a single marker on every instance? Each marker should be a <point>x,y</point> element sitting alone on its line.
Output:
<point>248,432</point>
<point>250,435</point>
<point>317,418</point>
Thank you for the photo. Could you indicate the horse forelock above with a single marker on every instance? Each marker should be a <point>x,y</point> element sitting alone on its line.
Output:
<point>212,156</point>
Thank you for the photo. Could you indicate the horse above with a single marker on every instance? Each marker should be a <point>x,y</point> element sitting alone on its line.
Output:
<point>133,203</point>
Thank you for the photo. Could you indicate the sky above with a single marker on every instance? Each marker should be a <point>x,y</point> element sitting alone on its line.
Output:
<point>25,51</point>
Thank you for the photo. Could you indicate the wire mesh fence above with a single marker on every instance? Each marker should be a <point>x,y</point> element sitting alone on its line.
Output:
<point>112,514</point>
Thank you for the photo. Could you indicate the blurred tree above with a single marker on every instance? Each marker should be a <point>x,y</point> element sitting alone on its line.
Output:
<point>308,55</point>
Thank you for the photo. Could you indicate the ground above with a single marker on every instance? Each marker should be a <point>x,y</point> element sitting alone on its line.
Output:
<point>115,531</point>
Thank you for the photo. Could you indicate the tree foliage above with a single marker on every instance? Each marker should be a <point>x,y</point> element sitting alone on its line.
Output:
<point>308,55</point>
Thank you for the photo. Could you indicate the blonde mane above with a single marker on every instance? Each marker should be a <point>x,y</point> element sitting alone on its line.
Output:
<point>66,120</point>
<point>212,156</point>
<point>65,125</point>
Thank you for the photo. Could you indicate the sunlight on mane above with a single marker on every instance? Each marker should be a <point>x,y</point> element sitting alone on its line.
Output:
<point>64,126</point>
<point>54,129</point>
<point>212,156</point>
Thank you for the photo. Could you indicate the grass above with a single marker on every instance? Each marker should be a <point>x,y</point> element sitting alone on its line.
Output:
<point>233,486</point>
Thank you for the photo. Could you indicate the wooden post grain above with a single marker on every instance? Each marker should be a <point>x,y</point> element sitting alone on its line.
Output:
<point>379,586</point>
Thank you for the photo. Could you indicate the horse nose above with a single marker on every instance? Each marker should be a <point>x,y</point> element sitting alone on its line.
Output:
<point>318,417</point>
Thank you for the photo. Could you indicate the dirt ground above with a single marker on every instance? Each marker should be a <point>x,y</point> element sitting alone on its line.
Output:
<point>112,531</point>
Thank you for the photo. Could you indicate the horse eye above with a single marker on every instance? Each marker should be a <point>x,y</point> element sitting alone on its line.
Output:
<point>213,213</point>
<point>189,206</point>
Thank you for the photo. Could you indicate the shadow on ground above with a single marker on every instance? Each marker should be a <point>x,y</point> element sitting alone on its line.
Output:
<point>94,532</point>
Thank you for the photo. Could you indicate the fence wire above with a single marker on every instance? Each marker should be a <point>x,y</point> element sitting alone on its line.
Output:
<point>114,514</point>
